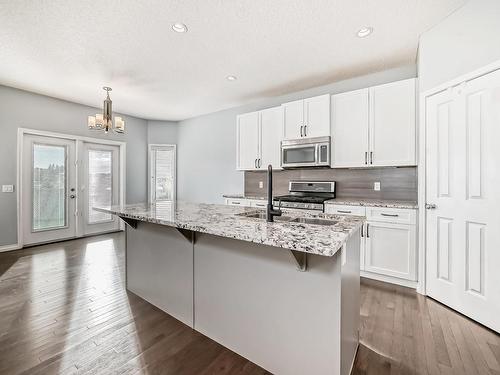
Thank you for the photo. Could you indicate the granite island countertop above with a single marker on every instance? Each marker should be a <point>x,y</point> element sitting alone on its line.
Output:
<point>224,221</point>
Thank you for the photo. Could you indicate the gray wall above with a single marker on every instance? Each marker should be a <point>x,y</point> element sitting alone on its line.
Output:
<point>206,166</point>
<point>163,132</point>
<point>467,40</point>
<point>28,110</point>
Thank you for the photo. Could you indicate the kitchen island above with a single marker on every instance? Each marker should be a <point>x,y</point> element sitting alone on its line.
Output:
<point>284,295</point>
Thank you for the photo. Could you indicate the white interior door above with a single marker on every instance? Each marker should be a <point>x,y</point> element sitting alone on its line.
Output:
<point>162,171</point>
<point>99,187</point>
<point>48,200</point>
<point>463,176</point>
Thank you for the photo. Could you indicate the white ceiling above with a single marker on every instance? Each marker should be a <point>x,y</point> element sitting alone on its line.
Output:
<point>69,49</point>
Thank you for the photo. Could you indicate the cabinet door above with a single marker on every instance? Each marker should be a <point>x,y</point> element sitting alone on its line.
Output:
<point>248,140</point>
<point>350,123</point>
<point>392,124</point>
<point>317,116</point>
<point>391,249</point>
<point>271,124</point>
<point>293,114</point>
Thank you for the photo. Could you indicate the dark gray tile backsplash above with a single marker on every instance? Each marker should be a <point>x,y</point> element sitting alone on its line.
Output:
<point>396,183</point>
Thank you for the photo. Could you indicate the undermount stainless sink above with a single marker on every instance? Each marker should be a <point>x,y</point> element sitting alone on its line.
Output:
<point>314,221</point>
<point>300,220</point>
<point>262,215</point>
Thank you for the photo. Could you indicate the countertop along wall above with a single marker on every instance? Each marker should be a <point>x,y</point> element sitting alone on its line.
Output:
<point>23,109</point>
<point>206,161</point>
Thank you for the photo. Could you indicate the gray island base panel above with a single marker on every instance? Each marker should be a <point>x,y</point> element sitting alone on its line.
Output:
<point>250,297</point>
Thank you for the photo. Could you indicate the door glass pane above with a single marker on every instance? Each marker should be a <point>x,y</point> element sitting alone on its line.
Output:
<point>48,187</point>
<point>299,155</point>
<point>100,184</point>
<point>163,173</point>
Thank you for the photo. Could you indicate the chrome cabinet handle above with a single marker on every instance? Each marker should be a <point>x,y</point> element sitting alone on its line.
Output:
<point>305,130</point>
<point>302,126</point>
<point>390,215</point>
<point>430,206</point>
<point>235,203</point>
<point>371,157</point>
<point>344,212</point>
<point>366,157</point>
<point>255,163</point>
<point>259,163</point>
<point>362,231</point>
<point>367,230</point>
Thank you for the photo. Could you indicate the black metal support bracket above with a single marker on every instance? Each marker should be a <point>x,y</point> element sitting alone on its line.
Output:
<point>188,234</point>
<point>301,260</point>
<point>131,222</point>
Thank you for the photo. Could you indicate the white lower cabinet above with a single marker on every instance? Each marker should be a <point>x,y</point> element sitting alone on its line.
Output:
<point>389,244</point>
<point>390,249</point>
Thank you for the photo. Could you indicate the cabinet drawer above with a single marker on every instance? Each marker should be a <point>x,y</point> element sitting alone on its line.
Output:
<point>337,209</point>
<point>259,203</point>
<point>237,202</point>
<point>391,215</point>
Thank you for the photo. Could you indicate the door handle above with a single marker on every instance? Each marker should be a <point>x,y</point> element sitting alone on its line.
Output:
<point>72,196</point>
<point>430,206</point>
<point>301,127</point>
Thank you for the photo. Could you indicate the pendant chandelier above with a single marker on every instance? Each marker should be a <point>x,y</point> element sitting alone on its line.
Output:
<point>103,121</point>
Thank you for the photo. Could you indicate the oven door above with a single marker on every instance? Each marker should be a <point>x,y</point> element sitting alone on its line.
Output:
<point>305,155</point>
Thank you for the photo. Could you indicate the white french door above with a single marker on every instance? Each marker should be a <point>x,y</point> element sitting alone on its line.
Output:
<point>463,212</point>
<point>62,180</point>
<point>49,189</point>
<point>99,187</point>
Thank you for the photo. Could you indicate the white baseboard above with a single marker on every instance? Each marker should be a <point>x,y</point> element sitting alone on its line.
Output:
<point>15,246</point>
<point>389,279</point>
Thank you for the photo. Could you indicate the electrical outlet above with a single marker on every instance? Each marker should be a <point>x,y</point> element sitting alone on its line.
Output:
<point>7,188</point>
<point>376,186</point>
<point>261,184</point>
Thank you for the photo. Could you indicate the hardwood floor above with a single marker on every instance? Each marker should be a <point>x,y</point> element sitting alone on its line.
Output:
<point>64,310</point>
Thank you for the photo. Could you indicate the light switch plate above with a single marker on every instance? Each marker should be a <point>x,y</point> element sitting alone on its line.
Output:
<point>7,188</point>
<point>376,186</point>
<point>261,184</point>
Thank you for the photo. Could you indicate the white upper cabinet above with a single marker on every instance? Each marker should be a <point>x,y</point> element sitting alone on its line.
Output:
<point>258,139</point>
<point>307,118</point>
<point>317,116</point>
<point>271,125</point>
<point>293,114</point>
<point>392,124</point>
<point>375,126</point>
<point>350,118</point>
<point>248,140</point>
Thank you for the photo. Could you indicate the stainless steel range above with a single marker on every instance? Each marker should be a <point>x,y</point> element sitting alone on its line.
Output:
<point>306,195</point>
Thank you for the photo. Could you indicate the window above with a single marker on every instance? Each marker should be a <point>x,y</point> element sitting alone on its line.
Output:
<point>162,170</point>
<point>100,184</point>
<point>48,187</point>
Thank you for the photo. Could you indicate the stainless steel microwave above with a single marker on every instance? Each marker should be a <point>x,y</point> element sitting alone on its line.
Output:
<point>305,152</point>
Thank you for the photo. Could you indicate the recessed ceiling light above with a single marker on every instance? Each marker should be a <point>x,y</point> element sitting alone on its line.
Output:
<point>231,78</point>
<point>179,28</point>
<point>364,31</point>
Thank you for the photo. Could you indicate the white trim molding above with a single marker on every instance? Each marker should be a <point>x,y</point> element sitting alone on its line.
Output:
<point>4,248</point>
